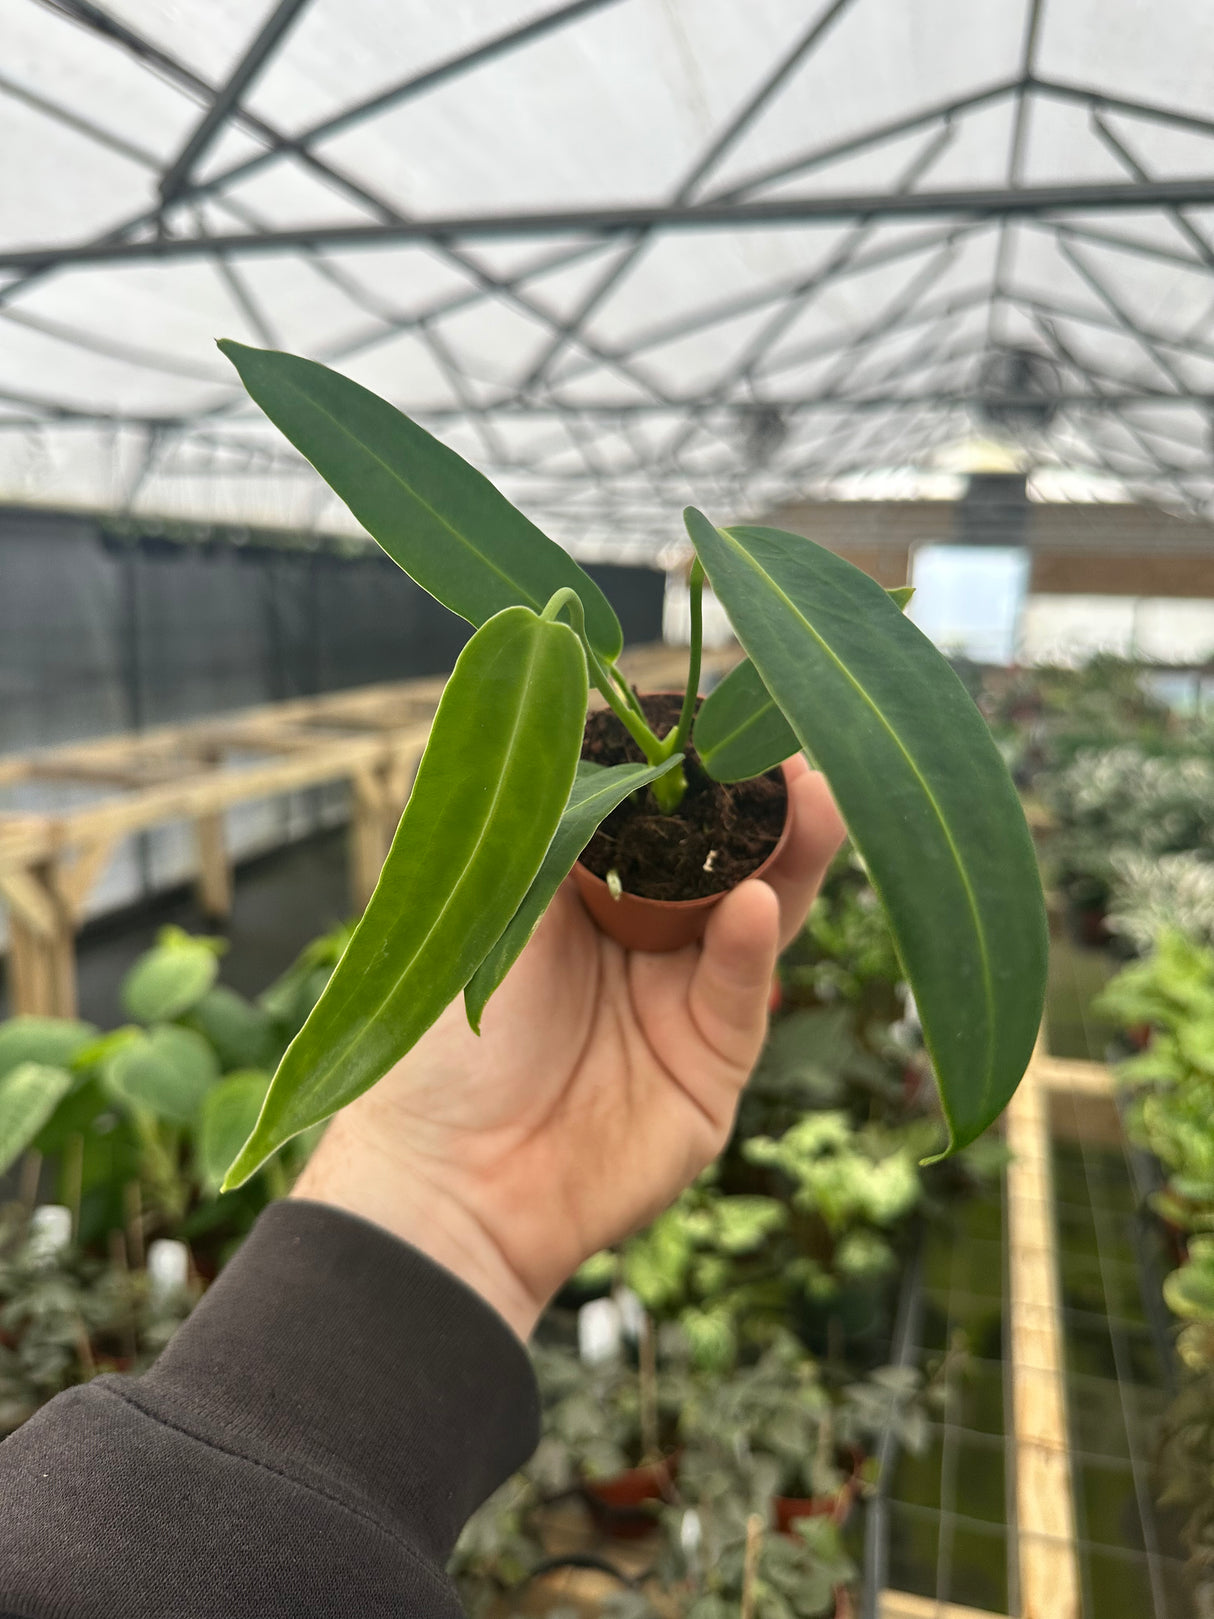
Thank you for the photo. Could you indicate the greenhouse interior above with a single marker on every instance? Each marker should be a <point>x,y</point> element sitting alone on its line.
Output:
<point>662,677</point>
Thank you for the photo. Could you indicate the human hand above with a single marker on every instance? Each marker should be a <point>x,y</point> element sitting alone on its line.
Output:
<point>602,1083</point>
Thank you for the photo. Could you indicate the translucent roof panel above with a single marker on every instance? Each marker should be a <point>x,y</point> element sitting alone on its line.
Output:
<point>621,253</point>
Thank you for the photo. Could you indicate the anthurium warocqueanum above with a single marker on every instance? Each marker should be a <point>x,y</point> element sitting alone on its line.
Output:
<point>502,808</point>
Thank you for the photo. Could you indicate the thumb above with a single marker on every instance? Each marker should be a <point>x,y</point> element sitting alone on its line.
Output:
<point>730,986</point>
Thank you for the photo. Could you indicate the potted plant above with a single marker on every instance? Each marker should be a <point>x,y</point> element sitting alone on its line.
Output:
<point>65,1316</point>
<point>780,1421</point>
<point>161,1104</point>
<point>516,779</point>
<point>609,1434</point>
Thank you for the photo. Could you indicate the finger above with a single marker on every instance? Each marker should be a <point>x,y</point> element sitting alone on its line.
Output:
<point>817,832</point>
<point>727,997</point>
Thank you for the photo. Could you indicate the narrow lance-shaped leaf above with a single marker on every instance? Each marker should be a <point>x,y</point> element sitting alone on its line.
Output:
<point>436,516</point>
<point>596,792</point>
<point>493,782</point>
<point>740,731</point>
<point>926,797</point>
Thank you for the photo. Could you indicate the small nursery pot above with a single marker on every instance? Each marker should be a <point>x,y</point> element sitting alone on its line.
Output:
<point>625,1506</point>
<point>659,925</point>
<point>788,1508</point>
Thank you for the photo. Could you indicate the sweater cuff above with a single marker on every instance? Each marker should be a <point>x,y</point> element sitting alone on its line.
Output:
<point>333,1352</point>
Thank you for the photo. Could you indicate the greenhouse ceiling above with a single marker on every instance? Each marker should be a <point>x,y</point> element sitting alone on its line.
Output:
<point>620,253</point>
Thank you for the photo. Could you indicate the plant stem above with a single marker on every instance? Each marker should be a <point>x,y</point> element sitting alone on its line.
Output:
<point>669,789</point>
<point>682,734</point>
<point>630,717</point>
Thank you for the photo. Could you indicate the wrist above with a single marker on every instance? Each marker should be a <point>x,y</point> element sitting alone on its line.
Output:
<point>358,1175</point>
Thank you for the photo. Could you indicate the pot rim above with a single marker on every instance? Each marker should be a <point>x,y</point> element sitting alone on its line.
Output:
<point>685,905</point>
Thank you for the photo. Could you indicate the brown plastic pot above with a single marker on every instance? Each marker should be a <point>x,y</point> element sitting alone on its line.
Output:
<point>659,925</point>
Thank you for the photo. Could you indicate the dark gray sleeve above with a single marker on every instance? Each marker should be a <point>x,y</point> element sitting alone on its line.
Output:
<point>310,1443</point>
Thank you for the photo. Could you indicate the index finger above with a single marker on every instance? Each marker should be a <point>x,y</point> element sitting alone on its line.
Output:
<point>817,832</point>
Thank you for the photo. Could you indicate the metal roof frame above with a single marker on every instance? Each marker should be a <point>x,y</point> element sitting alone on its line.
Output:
<point>674,437</point>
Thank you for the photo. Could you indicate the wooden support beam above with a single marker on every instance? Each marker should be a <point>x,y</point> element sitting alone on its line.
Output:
<point>77,878</point>
<point>1049,1569</point>
<point>213,887</point>
<point>368,842</point>
<point>905,1605</point>
<point>371,737</point>
<point>42,952</point>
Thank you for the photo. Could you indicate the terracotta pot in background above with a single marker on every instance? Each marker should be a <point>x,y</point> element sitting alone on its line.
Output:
<point>625,1506</point>
<point>788,1508</point>
<point>657,925</point>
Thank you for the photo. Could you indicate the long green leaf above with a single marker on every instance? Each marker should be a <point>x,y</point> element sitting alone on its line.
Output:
<point>740,731</point>
<point>436,516</point>
<point>596,792</point>
<point>494,779</point>
<point>29,1094</point>
<point>925,794</point>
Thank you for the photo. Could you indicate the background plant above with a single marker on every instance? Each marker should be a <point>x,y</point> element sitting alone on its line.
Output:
<point>141,1122</point>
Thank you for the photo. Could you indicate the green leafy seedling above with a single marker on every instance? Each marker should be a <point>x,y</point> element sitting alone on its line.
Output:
<point>500,811</point>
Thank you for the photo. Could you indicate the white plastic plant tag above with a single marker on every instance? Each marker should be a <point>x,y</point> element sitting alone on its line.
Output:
<point>691,1534</point>
<point>632,1313</point>
<point>600,1332</point>
<point>50,1232</point>
<point>168,1269</point>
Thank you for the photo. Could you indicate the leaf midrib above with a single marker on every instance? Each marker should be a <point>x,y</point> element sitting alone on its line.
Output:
<point>410,489</point>
<point>458,887</point>
<point>971,898</point>
<point>752,719</point>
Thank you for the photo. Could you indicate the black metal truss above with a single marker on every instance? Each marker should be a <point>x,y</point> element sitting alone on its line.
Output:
<point>837,400</point>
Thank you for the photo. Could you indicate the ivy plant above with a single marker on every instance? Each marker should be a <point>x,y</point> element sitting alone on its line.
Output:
<point>501,806</point>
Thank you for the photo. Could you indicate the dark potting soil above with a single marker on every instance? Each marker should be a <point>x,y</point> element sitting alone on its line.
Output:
<point>719,834</point>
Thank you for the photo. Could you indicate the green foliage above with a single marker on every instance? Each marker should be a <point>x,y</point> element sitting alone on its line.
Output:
<point>241,1034</point>
<point>593,1416</point>
<point>813,1058</point>
<point>489,794</point>
<point>29,1095</point>
<point>1151,896</point>
<point>158,1107</point>
<point>166,1073</point>
<point>1170,1085</point>
<point>1184,1474</point>
<point>1121,804</point>
<point>926,797</point>
<point>64,1317</point>
<point>290,998</point>
<point>923,788</point>
<point>435,516</point>
<point>1045,715</point>
<point>847,949</point>
<point>172,978</point>
<point>740,731</point>
<point>596,792</point>
<point>51,1041</point>
<point>842,1174</point>
<point>226,1118</point>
